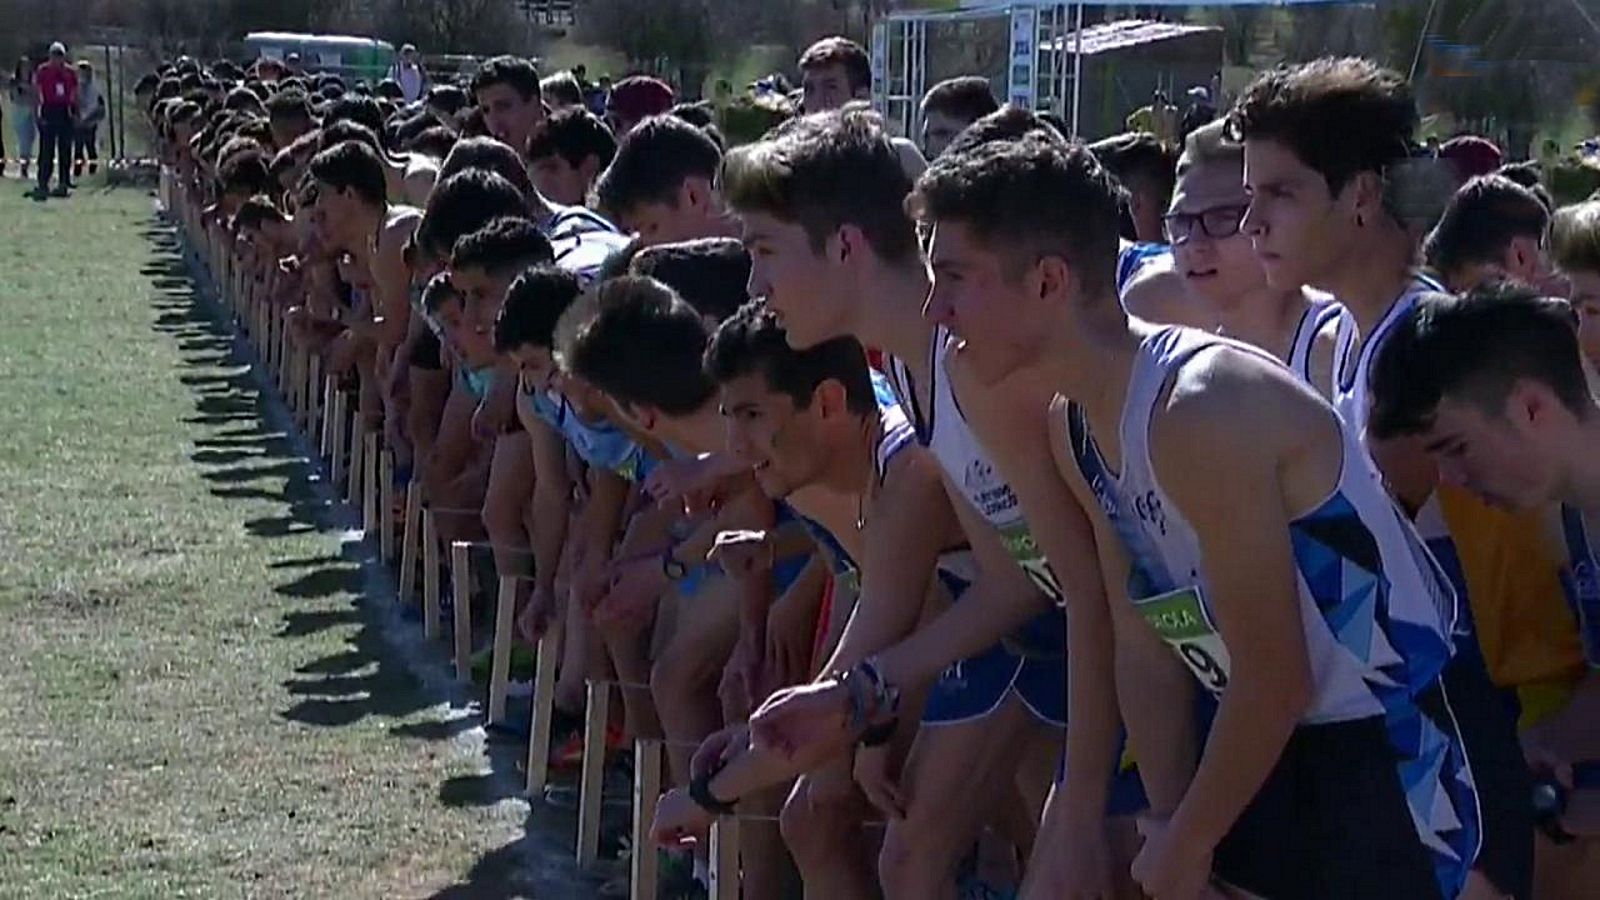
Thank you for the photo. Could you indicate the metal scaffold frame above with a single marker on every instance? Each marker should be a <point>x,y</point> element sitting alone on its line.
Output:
<point>1043,72</point>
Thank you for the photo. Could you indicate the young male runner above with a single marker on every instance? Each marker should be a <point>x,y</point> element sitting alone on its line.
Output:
<point>810,421</point>
<point>438,418</point>
<point>1145,168</point>
<point>1575,245</point>
<point>289,112</point>
<point>643,346</point>
<point>1326,149</point>
<point>483,265</point>
<point>1492,228</point>
<point>836,72</point>
<point>1222,275</point>
<point>662,183</point>
<point>1494,385</point>
<point>949,107</point>
<point>567,152</point>
<point>1242,538</point>
<point>352,205</point>
<point>506,89</point>
<point>835,254</point>
<point>408,177</point>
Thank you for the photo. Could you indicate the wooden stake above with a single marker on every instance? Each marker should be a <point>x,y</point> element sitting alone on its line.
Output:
<point>339,426</point>
<point>724,859</point>
<point>430,570</point>
<point>591,777</point>
<point>357,471</point>
<point>386,506</point>
<point>369,484</point>
<point>410,540</point>
<point>544,705</point>
<point>646,794</point>
<point>461,586</point>
<point>505,611</point>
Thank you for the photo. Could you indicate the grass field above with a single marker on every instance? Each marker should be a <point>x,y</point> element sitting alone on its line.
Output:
<point>199,700</point>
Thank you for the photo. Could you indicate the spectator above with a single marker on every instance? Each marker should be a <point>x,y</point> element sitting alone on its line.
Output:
<point>1160,118</point>
<point>24,111</point>
<point>91,112</point>
<point>408,72</point>
<point>598,96</point>
<point>1201,111</point>
<point>58,104</point>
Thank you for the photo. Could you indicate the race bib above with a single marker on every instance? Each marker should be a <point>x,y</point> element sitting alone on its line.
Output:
<point>1019,543</point>
<point>1181,620</point>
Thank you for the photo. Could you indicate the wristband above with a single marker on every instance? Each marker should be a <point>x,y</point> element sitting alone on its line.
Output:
<point>700,793</point>
<point>879,734</point>
<point>856,698</point>
<point>885,696</point>
<point>675,569</point>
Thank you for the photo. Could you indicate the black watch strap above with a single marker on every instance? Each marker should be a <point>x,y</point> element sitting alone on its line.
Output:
<point>700,793</point>
<point>879,734</point>
<point>672,567</point>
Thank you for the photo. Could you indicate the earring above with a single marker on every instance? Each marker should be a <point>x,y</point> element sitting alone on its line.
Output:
<point>1361,221</point>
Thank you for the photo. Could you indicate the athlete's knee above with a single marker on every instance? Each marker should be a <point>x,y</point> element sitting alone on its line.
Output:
<point>502,516</point>
<point>673,678</point>
<point>814,826</point>
<point>917,853</point>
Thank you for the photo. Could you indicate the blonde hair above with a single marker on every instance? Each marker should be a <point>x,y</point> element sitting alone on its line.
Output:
<point>1210,145</point>
<point>1575,237</point>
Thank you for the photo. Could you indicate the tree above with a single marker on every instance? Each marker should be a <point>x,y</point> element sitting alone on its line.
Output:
<point>455,26</point>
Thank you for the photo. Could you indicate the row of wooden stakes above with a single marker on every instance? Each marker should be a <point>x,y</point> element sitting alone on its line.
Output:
<point>360,469</point>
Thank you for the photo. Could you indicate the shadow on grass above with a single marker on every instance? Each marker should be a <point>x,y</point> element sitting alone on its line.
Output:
<point>243,454</point>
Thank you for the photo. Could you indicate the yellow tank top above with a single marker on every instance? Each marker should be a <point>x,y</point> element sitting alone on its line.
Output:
<point>1512,565</point>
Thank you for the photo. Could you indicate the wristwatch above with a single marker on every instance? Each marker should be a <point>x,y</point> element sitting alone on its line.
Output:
<point>700,793</point>
<point>672,567</point>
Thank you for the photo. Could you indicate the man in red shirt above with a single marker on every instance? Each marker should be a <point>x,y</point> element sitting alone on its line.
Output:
<point>58,113</point>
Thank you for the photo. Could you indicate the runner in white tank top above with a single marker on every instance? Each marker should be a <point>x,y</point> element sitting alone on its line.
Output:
<point>1377,618</point>
<point>1350,381</point>
<point>1031,661</point>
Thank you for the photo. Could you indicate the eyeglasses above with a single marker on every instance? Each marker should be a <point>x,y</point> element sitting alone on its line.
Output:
<point>1216,223</point>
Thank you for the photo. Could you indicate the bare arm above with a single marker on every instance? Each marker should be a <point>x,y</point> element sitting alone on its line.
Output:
<point>601,517</point>
<point>1001,601</point>
<point>1221,462</point>
<point>902,535</point>
<point>1157,294</point>
<point>552,496</point>
<point>1023,430</point>
<point>391,279</point>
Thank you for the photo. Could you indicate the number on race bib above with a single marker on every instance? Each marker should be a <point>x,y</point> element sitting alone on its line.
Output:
<point>1180,619</point>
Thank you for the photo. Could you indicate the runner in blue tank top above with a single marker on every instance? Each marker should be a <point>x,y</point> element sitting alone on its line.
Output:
<point>1245,551</point>
<point>819,420</point>
<point>997,725</point>
<point>1494,386</point>
<point>1329,169</point>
